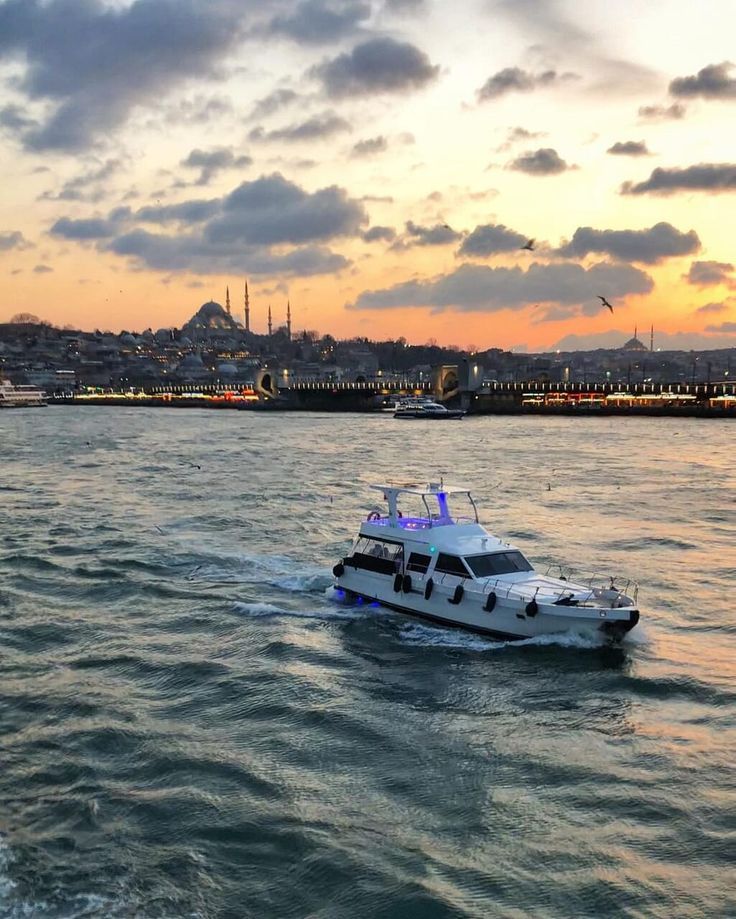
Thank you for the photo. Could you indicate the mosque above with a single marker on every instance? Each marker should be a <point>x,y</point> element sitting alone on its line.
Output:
<point>635,344</point>
<point>212,320</point>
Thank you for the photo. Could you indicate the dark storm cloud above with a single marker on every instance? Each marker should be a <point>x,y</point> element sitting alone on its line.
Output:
<point>491,238</point>
<point>514,79</point>
<point>210,162</point>
<point>673,112</point>
<point>713,177</point>
<point>196,254</point>
<point>369,147</point>
<point>542,162</point>
<point>316,22</point>
<point>96,62</point>
<point>13,239</point>
<point>707,274</point>
<point>380,65</point>
<point>629,148</point>
<point>647,246</point>
<point>379,234</point>
<point>712,82</point>
<point>272,103</point>
<point>437,235</point>
<point>316,128</point>
<point>478,288</point>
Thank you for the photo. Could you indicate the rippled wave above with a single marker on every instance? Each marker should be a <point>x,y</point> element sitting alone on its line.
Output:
<point>192,726</point>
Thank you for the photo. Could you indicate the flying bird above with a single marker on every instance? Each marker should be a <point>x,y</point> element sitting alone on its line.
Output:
<point>529,245</point>
<point>604,302</point>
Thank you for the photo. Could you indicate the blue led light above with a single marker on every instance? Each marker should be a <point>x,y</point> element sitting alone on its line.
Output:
<point>340,592</point>
<point>432,548</point>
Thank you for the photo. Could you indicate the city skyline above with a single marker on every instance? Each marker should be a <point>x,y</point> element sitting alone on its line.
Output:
<point>387,169</point>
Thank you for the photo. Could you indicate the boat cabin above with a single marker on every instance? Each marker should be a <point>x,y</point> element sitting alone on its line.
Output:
<point>427,539</point>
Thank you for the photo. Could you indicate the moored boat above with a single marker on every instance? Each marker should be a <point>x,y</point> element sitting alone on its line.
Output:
<point>426,408</point>
<point>428,563</point>
<point>20,396</point>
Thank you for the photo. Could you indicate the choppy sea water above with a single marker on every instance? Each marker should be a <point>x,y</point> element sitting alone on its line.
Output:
<point>191,727</point>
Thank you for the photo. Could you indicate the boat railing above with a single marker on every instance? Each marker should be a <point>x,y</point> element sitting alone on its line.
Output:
<point>597,582</point>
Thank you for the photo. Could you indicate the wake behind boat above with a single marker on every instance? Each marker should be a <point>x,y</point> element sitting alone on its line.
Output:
<point>427,563</point>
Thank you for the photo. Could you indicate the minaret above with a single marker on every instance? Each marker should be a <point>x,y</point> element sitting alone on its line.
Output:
<point>288,319</point>
<point>651,339</point>
<point>227,300</point>
<point>270,325</point>
<point>247,308</point>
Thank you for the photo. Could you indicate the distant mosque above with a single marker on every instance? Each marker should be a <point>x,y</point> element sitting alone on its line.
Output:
<point>635,344</point>
<point>212,318</point>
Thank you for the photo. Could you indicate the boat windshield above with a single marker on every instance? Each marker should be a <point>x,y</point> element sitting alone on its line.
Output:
<point>494,563</point>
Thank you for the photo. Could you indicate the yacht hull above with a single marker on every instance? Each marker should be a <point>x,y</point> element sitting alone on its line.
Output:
<point>510,619</point>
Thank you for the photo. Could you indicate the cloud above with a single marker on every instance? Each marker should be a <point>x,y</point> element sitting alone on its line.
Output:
<point>15,119</point>
<point>542,162</point>
<point>438,235</point>
<point>405,6</point>
<point>315,22</point>
<point>707,274</point>
<point>42,269</point>
<point>370,146</point>
<point>92,185</point>
<point>271,210</point>
<point>709,308</point>
<point>84,229</point>
<point>379,234</point>
<point>729,327</point>
<point>13,239</point>
<point>94,62</point>
<point>380,65</point>
<point>193,253</point>
<point>491,238</point>
<point>514,79</point>
<point>647,246</point>
<point>195,211</point>
<point>629,148</point>
<point>272,103</point>
<point>318,127</point>
<point>266,226</point>
<point>712,82</point>
<point>673,112</point>
<point>713,177</point>
<point>210,162</point>
<point>479,288</point>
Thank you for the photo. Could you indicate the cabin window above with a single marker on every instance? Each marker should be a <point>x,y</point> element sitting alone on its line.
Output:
<point>450,564</point>
<point>376,555</point>
<point>418,563</point>
<point>485,566</point>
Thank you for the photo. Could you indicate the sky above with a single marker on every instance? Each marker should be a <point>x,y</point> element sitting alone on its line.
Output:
<point>379,164</point>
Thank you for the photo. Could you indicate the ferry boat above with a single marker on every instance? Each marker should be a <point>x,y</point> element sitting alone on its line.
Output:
<point>425,408</point>
<point>419,559</point>
<point>20,396</point>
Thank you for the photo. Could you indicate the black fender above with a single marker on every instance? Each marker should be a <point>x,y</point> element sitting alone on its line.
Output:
<point>398,581</point>
<point>532,608</point>
<point>457,597</point>
<point>490,602</point>
<point>339,570</point>
<point>428,588</point>
<point>406,584</point>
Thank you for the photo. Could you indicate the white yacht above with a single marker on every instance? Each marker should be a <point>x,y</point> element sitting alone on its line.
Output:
<point>421,560</point>
<point>20,396</point>
<point>424,407</point>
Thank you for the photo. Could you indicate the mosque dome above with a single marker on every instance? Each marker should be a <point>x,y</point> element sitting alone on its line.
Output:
<point>226,369</point>
<point>191,362</point>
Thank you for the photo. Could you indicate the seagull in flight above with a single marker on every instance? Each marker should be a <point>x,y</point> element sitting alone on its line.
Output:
<point>604,302</point>
<point>529,245</point>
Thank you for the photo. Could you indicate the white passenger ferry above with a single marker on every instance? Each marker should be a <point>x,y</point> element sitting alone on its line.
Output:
<point>423,561</point>
<point>20,396</point>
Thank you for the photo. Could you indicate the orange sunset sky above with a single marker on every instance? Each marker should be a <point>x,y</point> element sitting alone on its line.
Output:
<point>379,163</point>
